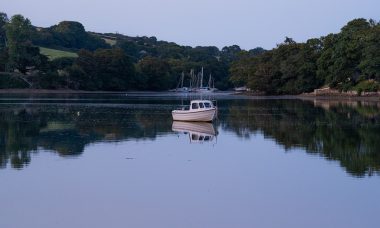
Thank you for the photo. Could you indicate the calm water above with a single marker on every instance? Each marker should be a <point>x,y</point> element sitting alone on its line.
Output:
<point>120,161</point>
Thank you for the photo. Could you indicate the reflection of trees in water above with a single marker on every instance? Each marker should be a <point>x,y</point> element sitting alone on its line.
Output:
<point>347,133</point>
<point>67,130</point>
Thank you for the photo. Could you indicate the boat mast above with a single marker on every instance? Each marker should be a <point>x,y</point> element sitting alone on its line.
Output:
<point>179,82</point>
<point>201,78</point>
<point>198,79</point>
<point>183,77</point>
<point>193,79</point>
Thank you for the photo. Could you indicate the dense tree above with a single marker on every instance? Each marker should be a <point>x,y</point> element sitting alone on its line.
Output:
<point>231,53</point>
<point>69,35</point>
<point>240,69</point>
<point>104,69</point>
<point>256,51</point>
<point>370,62</point>
<point>130,48</point>
<point>156,73</point>
<point>3,51</point>
<point>296,66</point>
<point>200,54</point>
<point>343,53</point>
<point>347,60</point>
<point>21,52</point>
<point>288,69</point>
<point>3,21</point>
<point>263,73</point>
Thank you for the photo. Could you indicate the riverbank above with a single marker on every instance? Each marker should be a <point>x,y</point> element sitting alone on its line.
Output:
<point>52,91</point>
<point>247,95</point>
<point>330,95</point>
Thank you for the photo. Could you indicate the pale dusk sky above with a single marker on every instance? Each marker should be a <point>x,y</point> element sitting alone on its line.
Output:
<point>247,23</point>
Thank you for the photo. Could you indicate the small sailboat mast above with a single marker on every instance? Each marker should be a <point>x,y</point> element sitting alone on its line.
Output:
<point>201,79</point>
<point>183,77</point>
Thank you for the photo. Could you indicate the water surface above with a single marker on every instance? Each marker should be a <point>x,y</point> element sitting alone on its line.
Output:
<point>116,160</point>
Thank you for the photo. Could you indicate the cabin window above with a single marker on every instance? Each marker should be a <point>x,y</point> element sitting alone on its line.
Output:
<point>194,106</point>
<point>207,105</point>
<point>201,105</point>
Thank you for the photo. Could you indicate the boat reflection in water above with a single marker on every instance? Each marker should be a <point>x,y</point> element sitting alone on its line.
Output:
<point>199,132</point>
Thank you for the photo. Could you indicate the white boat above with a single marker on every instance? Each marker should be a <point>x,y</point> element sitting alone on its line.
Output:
<point>241,89</point>
<point>205,90</point>
<point>199,132</point>
<point>198,111</point>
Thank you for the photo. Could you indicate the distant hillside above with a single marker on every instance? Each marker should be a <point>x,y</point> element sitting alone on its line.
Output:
<point>67,35</point>
<point>70,37</point>
<point>346,61</point>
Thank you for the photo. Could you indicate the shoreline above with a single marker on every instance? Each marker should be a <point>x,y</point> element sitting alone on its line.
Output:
<point>53,91</point>
<point>340,98</point>
<point>232,93</point>
<point>311,97</point>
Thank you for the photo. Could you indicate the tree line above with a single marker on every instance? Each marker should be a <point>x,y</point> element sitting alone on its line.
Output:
<point>349,60</point>
<point>125,63</point>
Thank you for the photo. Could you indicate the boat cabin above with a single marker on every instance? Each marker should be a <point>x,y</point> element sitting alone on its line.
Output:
<point>201,104</point>
<point>200,138</point>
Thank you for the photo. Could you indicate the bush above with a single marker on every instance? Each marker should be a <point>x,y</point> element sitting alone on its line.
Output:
<point>12,81</point>
<point>367,86</point>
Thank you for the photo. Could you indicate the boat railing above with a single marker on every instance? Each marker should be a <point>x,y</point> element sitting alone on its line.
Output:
<point>183,107</point>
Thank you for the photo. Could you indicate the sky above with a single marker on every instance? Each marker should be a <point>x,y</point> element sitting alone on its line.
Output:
<point>247,23</point>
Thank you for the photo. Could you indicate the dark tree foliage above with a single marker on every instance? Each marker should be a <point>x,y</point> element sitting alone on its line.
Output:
<point>3,21</point>
<point>230,54</point>
<point>370,63</point>
<point>288,69</point>
<point>104,69</point>
<point>155,74</point>
<point>21,52</point>
<point>256,51</point>
<point>200,54</point>
<point>3,51</point>
<point>130,48</point>
<point>345,53</point>
<point>62,63</point>
<point>181,59</point>
<point>69,35</point>
<point>352,57</point>
<point>348,60</point>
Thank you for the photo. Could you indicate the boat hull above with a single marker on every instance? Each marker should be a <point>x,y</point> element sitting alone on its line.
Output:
<point>201,128</point>
<point>207,115</point>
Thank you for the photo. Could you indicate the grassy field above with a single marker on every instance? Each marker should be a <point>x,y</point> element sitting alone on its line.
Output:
<point>109,41</point>
<point>54,54</point>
